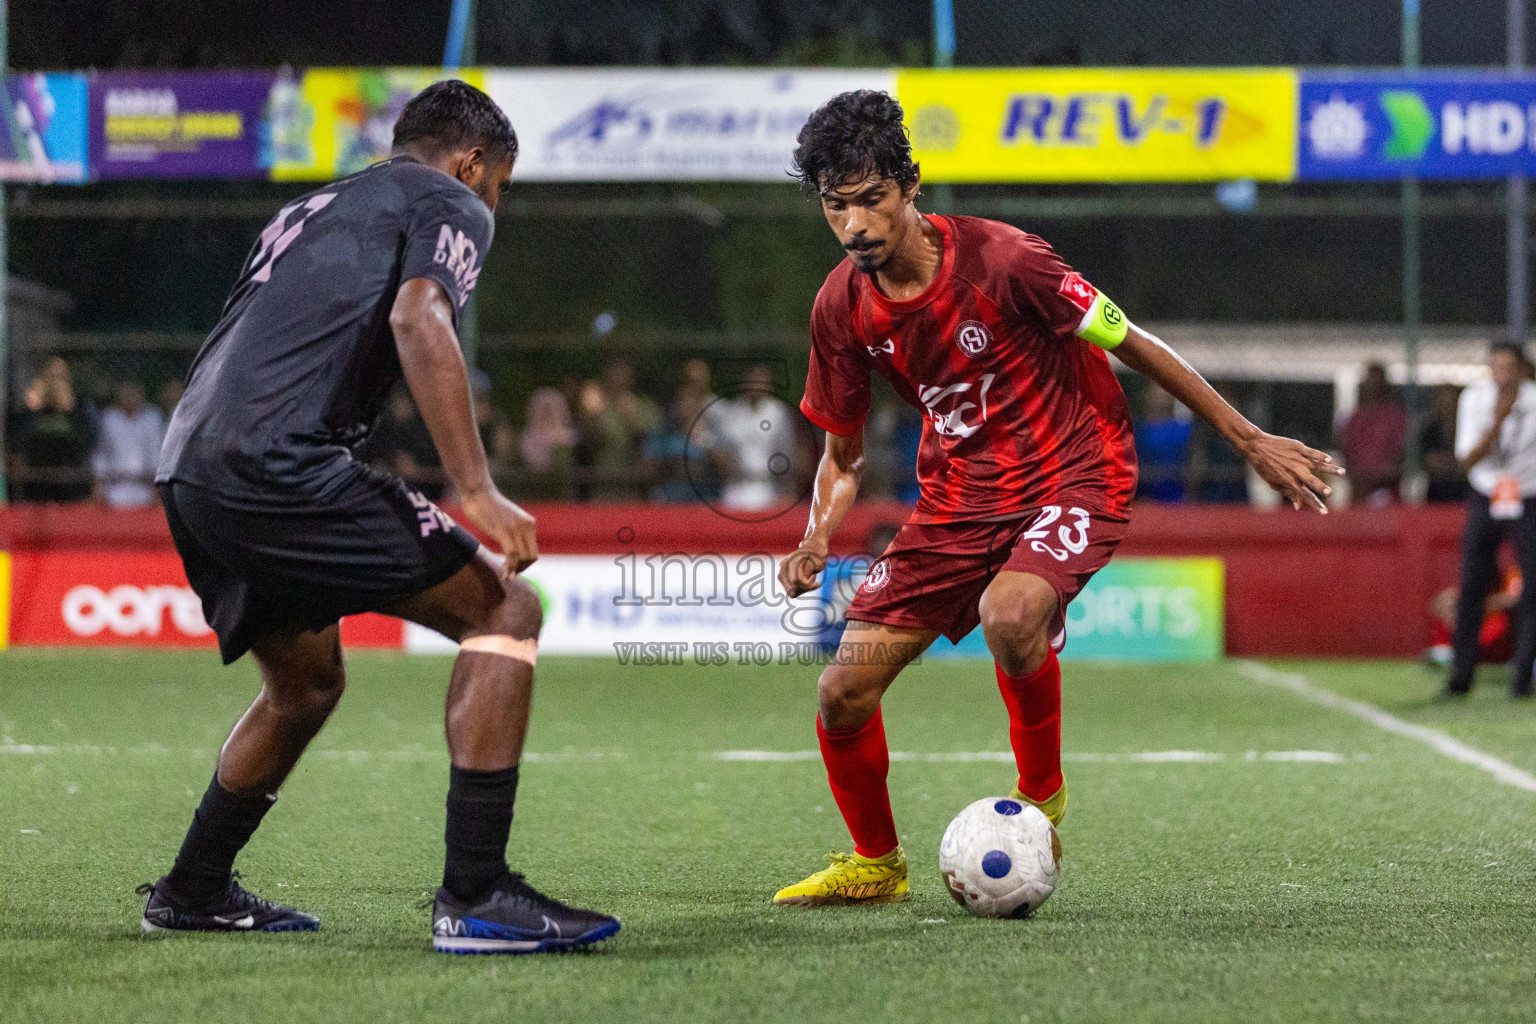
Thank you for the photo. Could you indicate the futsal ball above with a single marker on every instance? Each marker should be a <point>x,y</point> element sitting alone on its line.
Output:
<point>1000,858</point>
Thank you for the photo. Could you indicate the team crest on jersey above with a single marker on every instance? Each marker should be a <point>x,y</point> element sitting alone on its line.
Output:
<point>973,337</point>
<point>458,253</point>
<point>879,576</point>
<point>1078,291</point>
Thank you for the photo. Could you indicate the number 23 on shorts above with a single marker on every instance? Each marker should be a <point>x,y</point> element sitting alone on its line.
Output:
<point>1073,535</point>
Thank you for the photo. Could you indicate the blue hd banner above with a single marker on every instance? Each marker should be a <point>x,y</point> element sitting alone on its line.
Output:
<point>1384,125</point>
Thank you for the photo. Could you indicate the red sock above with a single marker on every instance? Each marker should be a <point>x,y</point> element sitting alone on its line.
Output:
<point>1034,726</point>
<point>857,761</point>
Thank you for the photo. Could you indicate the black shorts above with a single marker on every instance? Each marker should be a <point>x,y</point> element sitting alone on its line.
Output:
<point>262,570</point>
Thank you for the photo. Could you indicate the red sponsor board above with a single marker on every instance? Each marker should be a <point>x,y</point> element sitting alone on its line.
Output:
<point>129,599</point>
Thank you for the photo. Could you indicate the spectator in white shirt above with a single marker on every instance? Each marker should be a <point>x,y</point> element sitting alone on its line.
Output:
<point>128,450</point>
<point>1496,446</point>
<point>759,432</point>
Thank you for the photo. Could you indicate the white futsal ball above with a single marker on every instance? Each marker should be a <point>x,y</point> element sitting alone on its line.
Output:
<point>1000,858</point>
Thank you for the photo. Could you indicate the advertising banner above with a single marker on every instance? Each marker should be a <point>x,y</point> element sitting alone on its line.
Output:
<point>335,121</point>
<point>639,607</point>
<point>1101,125</point>
<point>44,139</point>
<point>202,124</point>
<point>725,609</point>
<point>1140,609</point>
<point>128,599</point>
<point>1451,126</point>
<point>687,125</point>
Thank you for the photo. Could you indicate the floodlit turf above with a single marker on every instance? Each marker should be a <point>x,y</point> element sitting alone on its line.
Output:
<point>1388,882</point>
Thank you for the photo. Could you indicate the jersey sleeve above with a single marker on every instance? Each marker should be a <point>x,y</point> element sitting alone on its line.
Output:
<point>1043,286</point>
<point>837,387</point>
<point>447,235</point>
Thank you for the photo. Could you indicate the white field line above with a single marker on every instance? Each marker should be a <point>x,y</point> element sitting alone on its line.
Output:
<point>1006,756</point>
<point>1452,748</point>
<point>1148,757</point>
<point>9,746</point>
<point>1321,756</point>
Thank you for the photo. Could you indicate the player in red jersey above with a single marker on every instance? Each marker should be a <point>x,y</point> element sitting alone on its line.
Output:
<point>1027,466</point>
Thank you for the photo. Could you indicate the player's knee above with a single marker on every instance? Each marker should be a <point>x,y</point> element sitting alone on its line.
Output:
<point>520,613</point>
<point>844,697</point>
<point>314,699</point>
<point>1017,619</point>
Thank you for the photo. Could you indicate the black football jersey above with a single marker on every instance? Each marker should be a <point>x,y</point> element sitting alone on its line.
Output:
<point>292,378</point>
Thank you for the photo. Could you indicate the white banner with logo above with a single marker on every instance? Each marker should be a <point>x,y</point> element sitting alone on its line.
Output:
<point>643,607</point>
<point>669,124</point>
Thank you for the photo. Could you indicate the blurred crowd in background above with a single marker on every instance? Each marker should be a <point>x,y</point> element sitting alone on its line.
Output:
<point>1182,459</point>
<point>733,439</point>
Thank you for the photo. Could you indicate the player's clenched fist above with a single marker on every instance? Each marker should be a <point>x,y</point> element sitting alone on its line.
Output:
<point>798,571</point>
<point>505,523</point>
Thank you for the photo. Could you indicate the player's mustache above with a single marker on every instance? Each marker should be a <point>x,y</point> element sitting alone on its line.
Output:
<point>862,245</point>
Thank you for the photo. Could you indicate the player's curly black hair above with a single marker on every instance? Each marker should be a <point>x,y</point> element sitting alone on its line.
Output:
<point>452,115</point>
<point>852,135</point>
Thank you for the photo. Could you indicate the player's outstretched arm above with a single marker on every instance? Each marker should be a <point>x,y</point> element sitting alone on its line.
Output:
<point>1288,466</point>
<point>422,321</point>
<point>837,485</point>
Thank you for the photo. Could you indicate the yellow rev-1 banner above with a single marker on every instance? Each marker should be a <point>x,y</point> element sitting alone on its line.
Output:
<point>1101,124</point>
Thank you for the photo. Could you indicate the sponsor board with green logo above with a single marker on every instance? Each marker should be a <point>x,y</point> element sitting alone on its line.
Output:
<point>1138,609</point>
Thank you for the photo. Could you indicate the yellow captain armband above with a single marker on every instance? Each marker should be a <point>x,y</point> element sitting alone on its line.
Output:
<point>1103,324</point>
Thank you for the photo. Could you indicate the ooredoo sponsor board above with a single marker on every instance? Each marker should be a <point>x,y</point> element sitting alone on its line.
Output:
<point>127,599</point>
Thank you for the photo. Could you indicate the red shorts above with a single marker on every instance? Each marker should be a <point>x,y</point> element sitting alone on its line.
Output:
<point>932,576</point>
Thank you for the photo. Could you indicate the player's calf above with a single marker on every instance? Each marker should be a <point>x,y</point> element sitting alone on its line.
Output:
<point>302,679</point>
<point>490,690</point>
<point>1017,612</point>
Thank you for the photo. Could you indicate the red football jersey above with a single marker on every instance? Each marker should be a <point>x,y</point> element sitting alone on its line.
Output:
<point>1019,411</point>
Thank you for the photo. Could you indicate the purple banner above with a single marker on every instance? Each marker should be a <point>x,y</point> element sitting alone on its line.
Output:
<point>204,124</point>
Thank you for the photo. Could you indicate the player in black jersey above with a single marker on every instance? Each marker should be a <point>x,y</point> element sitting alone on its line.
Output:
<point>283,532</point>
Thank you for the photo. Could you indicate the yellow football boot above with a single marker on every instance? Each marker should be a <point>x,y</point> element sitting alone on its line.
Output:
<point>849,878</point>
<point>1054,806</point>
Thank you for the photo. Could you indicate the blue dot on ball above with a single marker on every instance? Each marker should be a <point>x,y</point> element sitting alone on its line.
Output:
<point>1008,807</point>
<point>996,864</point>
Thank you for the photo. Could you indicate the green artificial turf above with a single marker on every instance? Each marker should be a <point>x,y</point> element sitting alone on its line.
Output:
<point>1389,882</point>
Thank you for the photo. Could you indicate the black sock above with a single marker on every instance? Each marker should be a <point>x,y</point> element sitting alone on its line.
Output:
<point>221,827</point>
<point>479,820</point>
